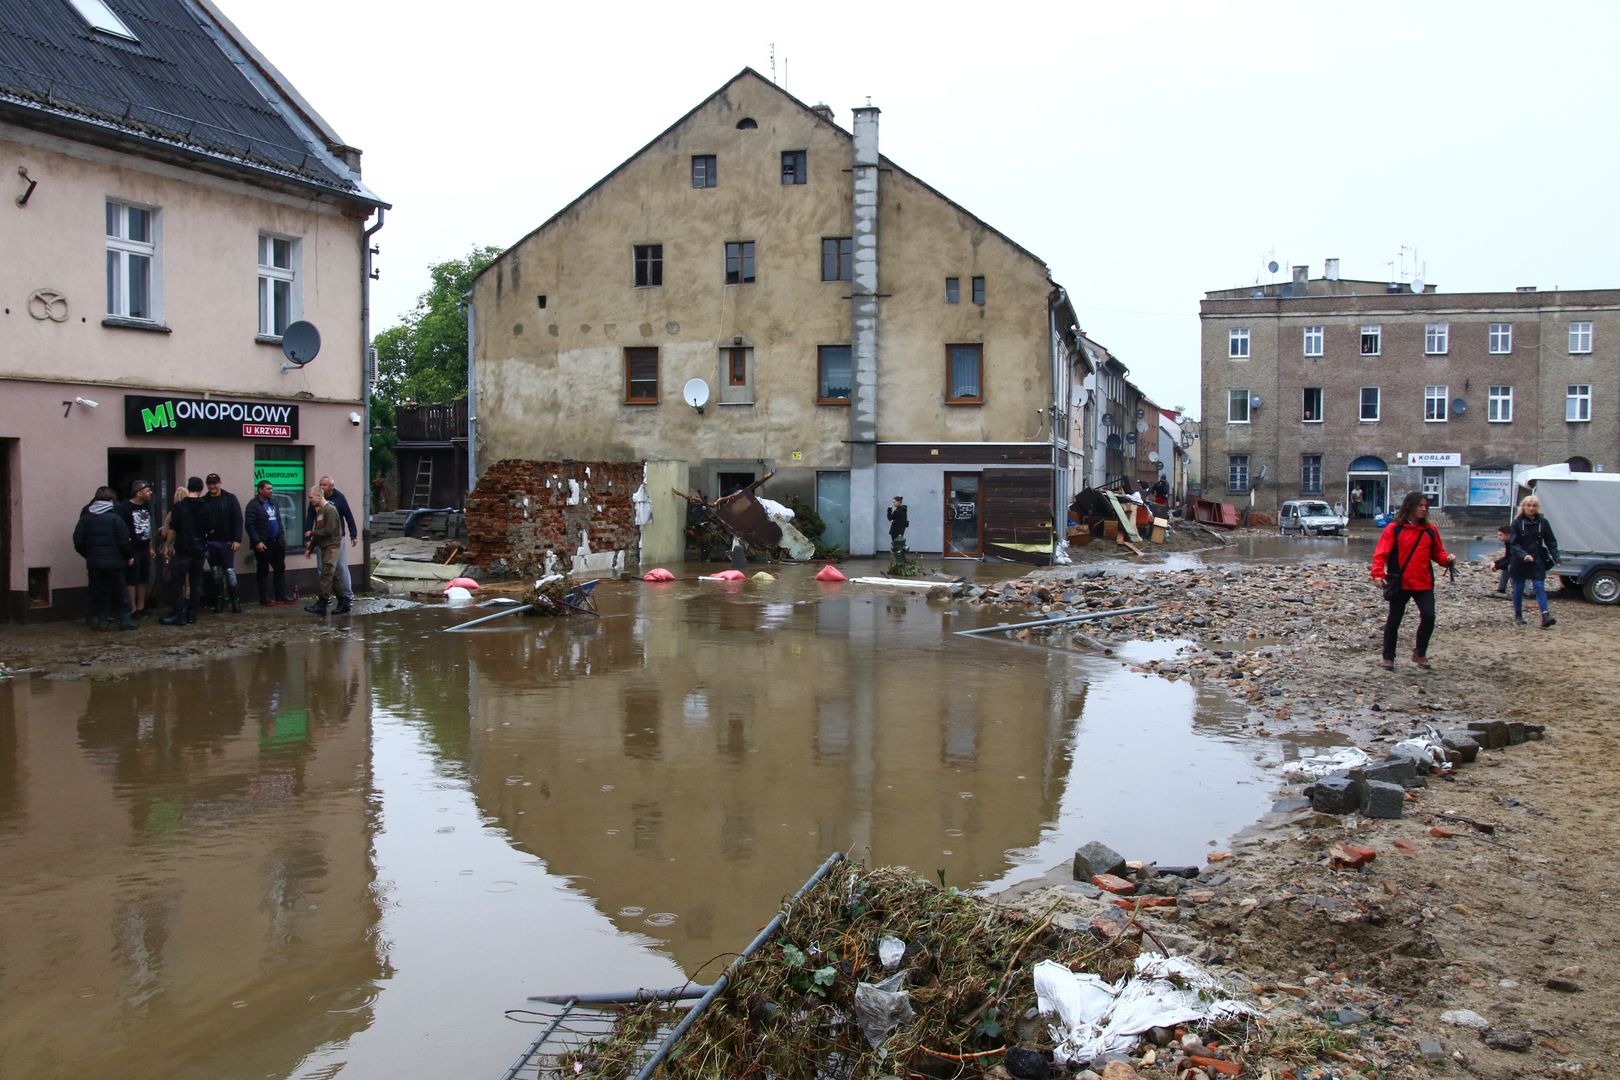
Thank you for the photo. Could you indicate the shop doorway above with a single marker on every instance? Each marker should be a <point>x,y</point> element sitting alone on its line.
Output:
<point>156,467</point>
<point>1366,487</point>
<point>964,521</point>
<point>832,503</point>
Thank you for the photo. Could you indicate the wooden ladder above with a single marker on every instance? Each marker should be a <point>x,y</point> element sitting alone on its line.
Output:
<point>423,494</point>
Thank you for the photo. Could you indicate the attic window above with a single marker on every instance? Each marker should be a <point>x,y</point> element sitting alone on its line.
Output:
<point>102,18</point>
<point>747,123</point>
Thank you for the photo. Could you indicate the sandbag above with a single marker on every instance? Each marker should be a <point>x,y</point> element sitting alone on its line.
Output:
<point>658,574</point>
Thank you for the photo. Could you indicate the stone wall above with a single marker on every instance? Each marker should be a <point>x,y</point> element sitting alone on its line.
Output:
<point>523,509</point>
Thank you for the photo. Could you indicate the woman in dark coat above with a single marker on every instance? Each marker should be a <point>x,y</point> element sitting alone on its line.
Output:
<point>1406,551</point>
<point>1532,551</point>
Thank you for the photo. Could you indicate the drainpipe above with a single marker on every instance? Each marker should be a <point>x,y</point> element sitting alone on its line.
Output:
<point>863,496</point>
<point>1060,470</point>
<point>472,395</point>
<point>367,374</point>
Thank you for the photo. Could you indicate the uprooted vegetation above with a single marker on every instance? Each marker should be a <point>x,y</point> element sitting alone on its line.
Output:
<point>791,1008</point>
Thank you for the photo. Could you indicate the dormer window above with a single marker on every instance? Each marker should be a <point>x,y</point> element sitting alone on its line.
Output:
<point>102,18</point>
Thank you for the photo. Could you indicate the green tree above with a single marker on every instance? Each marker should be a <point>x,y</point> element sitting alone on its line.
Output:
<point>424,358</point>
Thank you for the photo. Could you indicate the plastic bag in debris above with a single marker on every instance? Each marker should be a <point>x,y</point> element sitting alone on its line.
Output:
<point>890,952</point>
<point>457,596</point>
<point>1332,761</point>
<point>882,1007</point>
<point>1094,1017</point>
<point>1425,748</point>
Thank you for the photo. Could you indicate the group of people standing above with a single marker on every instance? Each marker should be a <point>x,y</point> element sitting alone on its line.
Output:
<point>1409,549</point>
<point>197,541</point>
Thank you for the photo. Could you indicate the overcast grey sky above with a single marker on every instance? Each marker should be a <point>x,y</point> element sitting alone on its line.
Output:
<point>1147,152</point>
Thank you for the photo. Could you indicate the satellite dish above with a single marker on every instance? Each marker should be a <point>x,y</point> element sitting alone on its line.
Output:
<point>1459,406</point>
<point>300,342</point>
<point>1259,477</point>
<point>1130,436</point>
<point>1154,457</point>
<point>1142,425</point>
<point>1417,284</point>
<point>1272,266</point>
<point>1255,402</point>
<point>1107,421</point>
<point>1114,443</point>
<point>695,393</point>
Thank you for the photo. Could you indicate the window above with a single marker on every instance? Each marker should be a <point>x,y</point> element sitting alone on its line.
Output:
<point>1311,405</point>
<point>1501,338</point>
<point>1434,403</point>
<point>1580,337</point>
<point>1237,406</point>
<point>1313,341</point>
<point>1310,474</point>
<point>1370,403</point>
<point>131,255</point>
<point>794,170</point>
<point>278,284</point>
<point>649,260</point>
<point>736,375</point>
<point>834,375</point>
<point>740,262</point>
<point>641,376</point>
<point>1437,338</point>
<point>736,366</point>
<point>1372,340</point>
<point>953,290</point>
<point>704,173</point>
<point>1237,343</point>
<point>837,258</point>
<point>1578,403</point>
<point>978,290</point>
<point>1237,472</point>
<point>964,372</point>
<point>1499,405</point>
<point>102,18</point>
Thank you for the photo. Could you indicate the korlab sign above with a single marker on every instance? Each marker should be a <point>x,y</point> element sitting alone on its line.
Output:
<point>208,418</point>
<point>1433,461</point>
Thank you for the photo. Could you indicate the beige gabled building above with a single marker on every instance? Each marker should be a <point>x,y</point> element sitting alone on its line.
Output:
<point>831,317</point>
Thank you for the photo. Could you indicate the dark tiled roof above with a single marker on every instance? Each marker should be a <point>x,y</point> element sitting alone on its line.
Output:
<point>175,84</point>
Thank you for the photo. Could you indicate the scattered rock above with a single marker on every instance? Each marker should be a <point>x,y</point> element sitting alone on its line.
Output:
<point>1467,1018</point>
<point>1093,859</point>
<point>1431,1049</point>
<point>1563,986</point>
<point>1382,800</point>
<point>1517,1039</point>
<point>1025,1064</point>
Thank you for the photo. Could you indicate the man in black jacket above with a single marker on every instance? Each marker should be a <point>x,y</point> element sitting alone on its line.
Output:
<point>332,495</point>
<point>899,521</point>
<point>224,537</point>
<point>185,541</point>
<point>267,535</point>
<point>103,539</point>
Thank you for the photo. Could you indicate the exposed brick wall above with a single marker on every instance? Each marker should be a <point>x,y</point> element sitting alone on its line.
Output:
<point>520,510</point>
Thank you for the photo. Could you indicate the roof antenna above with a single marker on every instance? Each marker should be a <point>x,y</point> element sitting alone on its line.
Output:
<point>773,61</point>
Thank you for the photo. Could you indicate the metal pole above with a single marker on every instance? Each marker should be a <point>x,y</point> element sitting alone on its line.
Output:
<point>720,984</point>
<point>1088,617</point>
<point>489,618</point>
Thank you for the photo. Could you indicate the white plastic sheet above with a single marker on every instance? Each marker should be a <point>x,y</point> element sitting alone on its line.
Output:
<point>1094,1017</point>
<point>1332,761</point>
<point>1425,748</point>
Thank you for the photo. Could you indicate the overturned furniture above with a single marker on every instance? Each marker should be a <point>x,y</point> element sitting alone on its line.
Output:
<point>758,522</point>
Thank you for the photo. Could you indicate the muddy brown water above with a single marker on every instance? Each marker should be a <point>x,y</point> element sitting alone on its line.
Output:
<point>354,856</point>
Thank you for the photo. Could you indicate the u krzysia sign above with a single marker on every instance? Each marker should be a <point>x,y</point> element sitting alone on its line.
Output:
<point>214,418</point>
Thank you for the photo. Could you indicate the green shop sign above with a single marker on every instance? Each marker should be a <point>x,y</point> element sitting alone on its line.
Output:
<point>214,418</point>
<point>285,475</point>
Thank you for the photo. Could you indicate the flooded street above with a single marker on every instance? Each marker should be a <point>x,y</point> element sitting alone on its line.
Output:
<point>351,857</point>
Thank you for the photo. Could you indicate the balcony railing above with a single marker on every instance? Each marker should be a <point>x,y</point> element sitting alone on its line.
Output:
<point>432,423</point>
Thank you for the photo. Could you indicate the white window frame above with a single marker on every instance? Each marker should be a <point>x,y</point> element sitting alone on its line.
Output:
<point>1499,405</point>
<point>1376,332</point>
<point>1378,405</point>
<point>1315,338</point>
<point>1578,403</point>
<point>1232,468</point>
<point>1501,339</point>
<point>1436,339</point>
<point>270,274</point>
<point>1233,398</point>
<point>1237,343</point>
<point>121,248</point>
<point>1321,404</point>
<point>1436,404</point>
<point>101,17</point>
<point>1580,338</point>
<point>1432,482</point>
<point>1305,473</point>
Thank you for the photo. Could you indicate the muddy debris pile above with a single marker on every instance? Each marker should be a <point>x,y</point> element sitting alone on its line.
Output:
<point>876,972</point>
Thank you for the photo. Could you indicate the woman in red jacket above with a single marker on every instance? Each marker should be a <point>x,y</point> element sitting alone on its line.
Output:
<point>1407,552</point>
